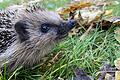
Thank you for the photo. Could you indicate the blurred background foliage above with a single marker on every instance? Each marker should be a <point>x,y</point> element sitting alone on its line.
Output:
<point>50,4</point>
<point>5,3</point>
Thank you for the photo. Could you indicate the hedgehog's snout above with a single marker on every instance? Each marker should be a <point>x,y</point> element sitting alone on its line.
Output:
<point>65,27</point>
<point>71,24</point>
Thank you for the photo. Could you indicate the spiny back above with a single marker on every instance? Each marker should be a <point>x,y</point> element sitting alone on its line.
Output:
<point>8,18</point>
<point>6,31</point>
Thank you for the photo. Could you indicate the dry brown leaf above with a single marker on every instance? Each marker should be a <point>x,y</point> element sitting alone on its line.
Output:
<point>91,15</point>
<point>105,25</point>
<point>117,75</point>
<point>55,58</point>
<point>73,7</point>
<point>87,16</point>
<point>79,5</point>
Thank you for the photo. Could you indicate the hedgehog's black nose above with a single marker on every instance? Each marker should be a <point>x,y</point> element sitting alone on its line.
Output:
<point>71,24</point>
<point>66,27</point>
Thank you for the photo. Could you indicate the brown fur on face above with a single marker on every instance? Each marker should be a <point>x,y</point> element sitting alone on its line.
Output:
<point>31,43</point>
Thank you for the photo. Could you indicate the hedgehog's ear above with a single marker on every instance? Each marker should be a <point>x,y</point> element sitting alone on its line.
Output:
<point>20,28</point>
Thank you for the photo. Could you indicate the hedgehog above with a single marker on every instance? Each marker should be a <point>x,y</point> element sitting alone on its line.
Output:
<point>28,34</point>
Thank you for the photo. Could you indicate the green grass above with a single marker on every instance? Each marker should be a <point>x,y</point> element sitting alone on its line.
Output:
<point>97,48</point>
<point>115,8</point>
<point>54,4</point>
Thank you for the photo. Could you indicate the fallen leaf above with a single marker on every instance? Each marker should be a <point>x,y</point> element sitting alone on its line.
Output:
<point>103,3</point>
<point>81,75</point>
<point>78,16</point>
<point>108,12</point>
<point>115,20</point>
<point>117,75</point>
<point>72,7</point>
<point>91,15</point>
<point>108,77</point>
<point>117,63</point>
<point>105,25</point>
<point>106,72</point>
<point>80,5</point>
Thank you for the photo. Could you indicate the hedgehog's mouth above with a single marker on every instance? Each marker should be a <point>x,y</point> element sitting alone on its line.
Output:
<point>64,28</point>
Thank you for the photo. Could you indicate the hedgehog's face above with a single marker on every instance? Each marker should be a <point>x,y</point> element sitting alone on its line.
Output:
<point>44,26</point>
<point>37,31</point>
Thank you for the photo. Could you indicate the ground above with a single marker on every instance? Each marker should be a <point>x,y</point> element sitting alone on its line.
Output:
<point>98,47</point>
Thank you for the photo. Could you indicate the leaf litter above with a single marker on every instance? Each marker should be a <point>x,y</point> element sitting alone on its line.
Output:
<point>88,15</point>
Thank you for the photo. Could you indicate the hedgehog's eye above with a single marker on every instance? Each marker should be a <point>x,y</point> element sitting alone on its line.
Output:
<point>45,28</point>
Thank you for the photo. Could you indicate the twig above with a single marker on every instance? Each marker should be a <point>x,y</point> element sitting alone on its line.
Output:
<point>86,33</point>
<point>55,57</point>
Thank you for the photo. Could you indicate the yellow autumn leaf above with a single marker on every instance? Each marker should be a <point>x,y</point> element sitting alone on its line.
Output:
<point>79,6</point>
<point>64,11</point>
<point>117,75</point>
<point>117,23</point>
<point>117,63</point>
<point>108,12</point>
<point>107,76</point>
